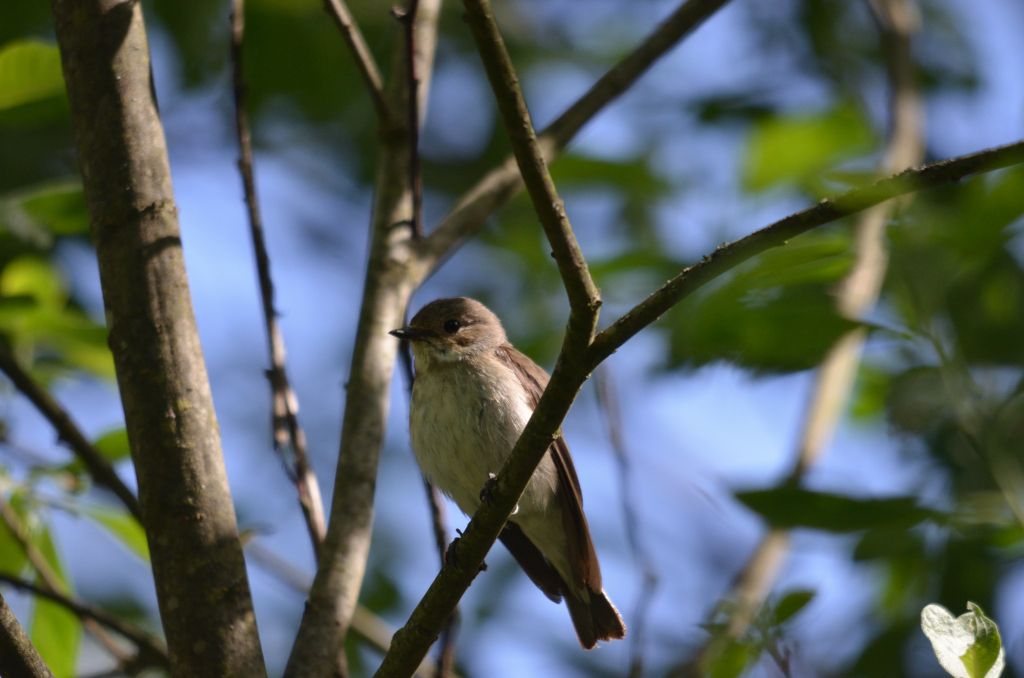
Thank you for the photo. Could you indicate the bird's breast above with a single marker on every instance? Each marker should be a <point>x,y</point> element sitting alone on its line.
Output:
<point>464,421</point>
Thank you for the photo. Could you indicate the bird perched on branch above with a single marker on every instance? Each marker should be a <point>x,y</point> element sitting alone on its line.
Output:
<point>472,396</point>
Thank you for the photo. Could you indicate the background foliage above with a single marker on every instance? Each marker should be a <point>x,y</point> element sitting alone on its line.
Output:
<point>767,108</point>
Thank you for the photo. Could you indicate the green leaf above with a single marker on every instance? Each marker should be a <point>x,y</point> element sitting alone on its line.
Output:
<point>795,149</point>
<point>113,445</point>
<point>775,313</point>
<point>124,528</point>
<point>788,507</point>
<point>59,207</point>
<point>54,630</point>
<point>12,555</point>
<point>29,73</point>
<point>791,604</point>
<point>967,646</point>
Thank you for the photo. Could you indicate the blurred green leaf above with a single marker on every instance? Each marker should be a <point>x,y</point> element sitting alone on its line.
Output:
<point>124,528</point>
<point>113,445</point>
<point>29,73</point>
<point>634,177</point>
<point>54,630</point>
<point>12,555</point>
<point>776,313</point>
<point>54,208</point>
<point>791,604</point>
<point>967,646</point>
<point>795,149</point>
<point>790,507</point>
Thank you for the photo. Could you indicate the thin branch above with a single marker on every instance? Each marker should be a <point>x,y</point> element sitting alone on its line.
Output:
<point>584,298</point>
<point>607,401</point>
<point>501,183</point>
<point>365,62</point>
<point>408,21</point>
<point>856,296</point>
<point>151,649</point>
<point>96,464</point>
<point>726,257</point>
<point>288,434</point>
<point>18,656</point>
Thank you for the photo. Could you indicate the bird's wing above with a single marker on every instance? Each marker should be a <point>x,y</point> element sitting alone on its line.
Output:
<point>581,548</point>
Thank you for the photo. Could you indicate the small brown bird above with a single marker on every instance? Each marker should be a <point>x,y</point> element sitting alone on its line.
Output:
<point>472,396</point>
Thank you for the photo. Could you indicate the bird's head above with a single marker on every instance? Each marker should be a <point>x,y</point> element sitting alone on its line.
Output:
<point>450,330</point>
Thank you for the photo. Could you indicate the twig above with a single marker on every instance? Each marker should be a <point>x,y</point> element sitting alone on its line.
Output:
<point>408,21</point>
<point>18,656</point>
<point>151,649</point>
<point>609,405</point>
<point>288,434</point>
<point>53,583</point>
<point>858,293</point>
<point>726,257</point>
<point>68,432</point>
<point>584,298</point>
<point>446,653</point>
<point>361,52</point>
<point>501,183</point>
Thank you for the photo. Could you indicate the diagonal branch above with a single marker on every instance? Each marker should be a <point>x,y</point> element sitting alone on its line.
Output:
<point>365,62</point>
<point>727,257</point>
<point>18,656</point>
<point>501,183</point>
<point>101,470</point>
<point>584,299</point>
<point>288,434</point>
<point>413,640</point>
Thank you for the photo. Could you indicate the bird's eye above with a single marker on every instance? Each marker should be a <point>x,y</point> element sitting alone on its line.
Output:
<point>451,326</point>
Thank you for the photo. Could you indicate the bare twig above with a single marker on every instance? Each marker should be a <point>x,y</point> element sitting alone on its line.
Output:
<point>408,21</point>
<point>609,405</point>
<point>501,183</point>
<point>18,656</point>
<point>726,257</point>
<point>288,434</point>
<point>856,296</point>
<point>99,468</point>
<point>361,52</point>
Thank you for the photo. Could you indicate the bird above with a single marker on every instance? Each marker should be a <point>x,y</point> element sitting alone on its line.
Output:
<point>472,394</point>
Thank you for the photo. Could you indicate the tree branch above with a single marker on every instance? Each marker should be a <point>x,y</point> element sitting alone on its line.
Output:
<point>201,582</point>
<point>18,656</point>
<point>584,299</point>
<point>501,183</point>
<point>287,433</point>
<point>388,286</point>
<point>101,470</point>
<point>365,62</point>
<point>726,257</point>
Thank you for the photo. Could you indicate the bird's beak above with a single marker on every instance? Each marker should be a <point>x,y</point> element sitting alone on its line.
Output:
<point>409,333</point>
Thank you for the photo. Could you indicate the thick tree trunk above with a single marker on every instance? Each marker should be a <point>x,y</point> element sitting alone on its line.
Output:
<point>201,583</point>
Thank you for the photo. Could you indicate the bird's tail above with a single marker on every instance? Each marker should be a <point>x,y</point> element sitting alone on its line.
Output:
<point>594,616</point>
